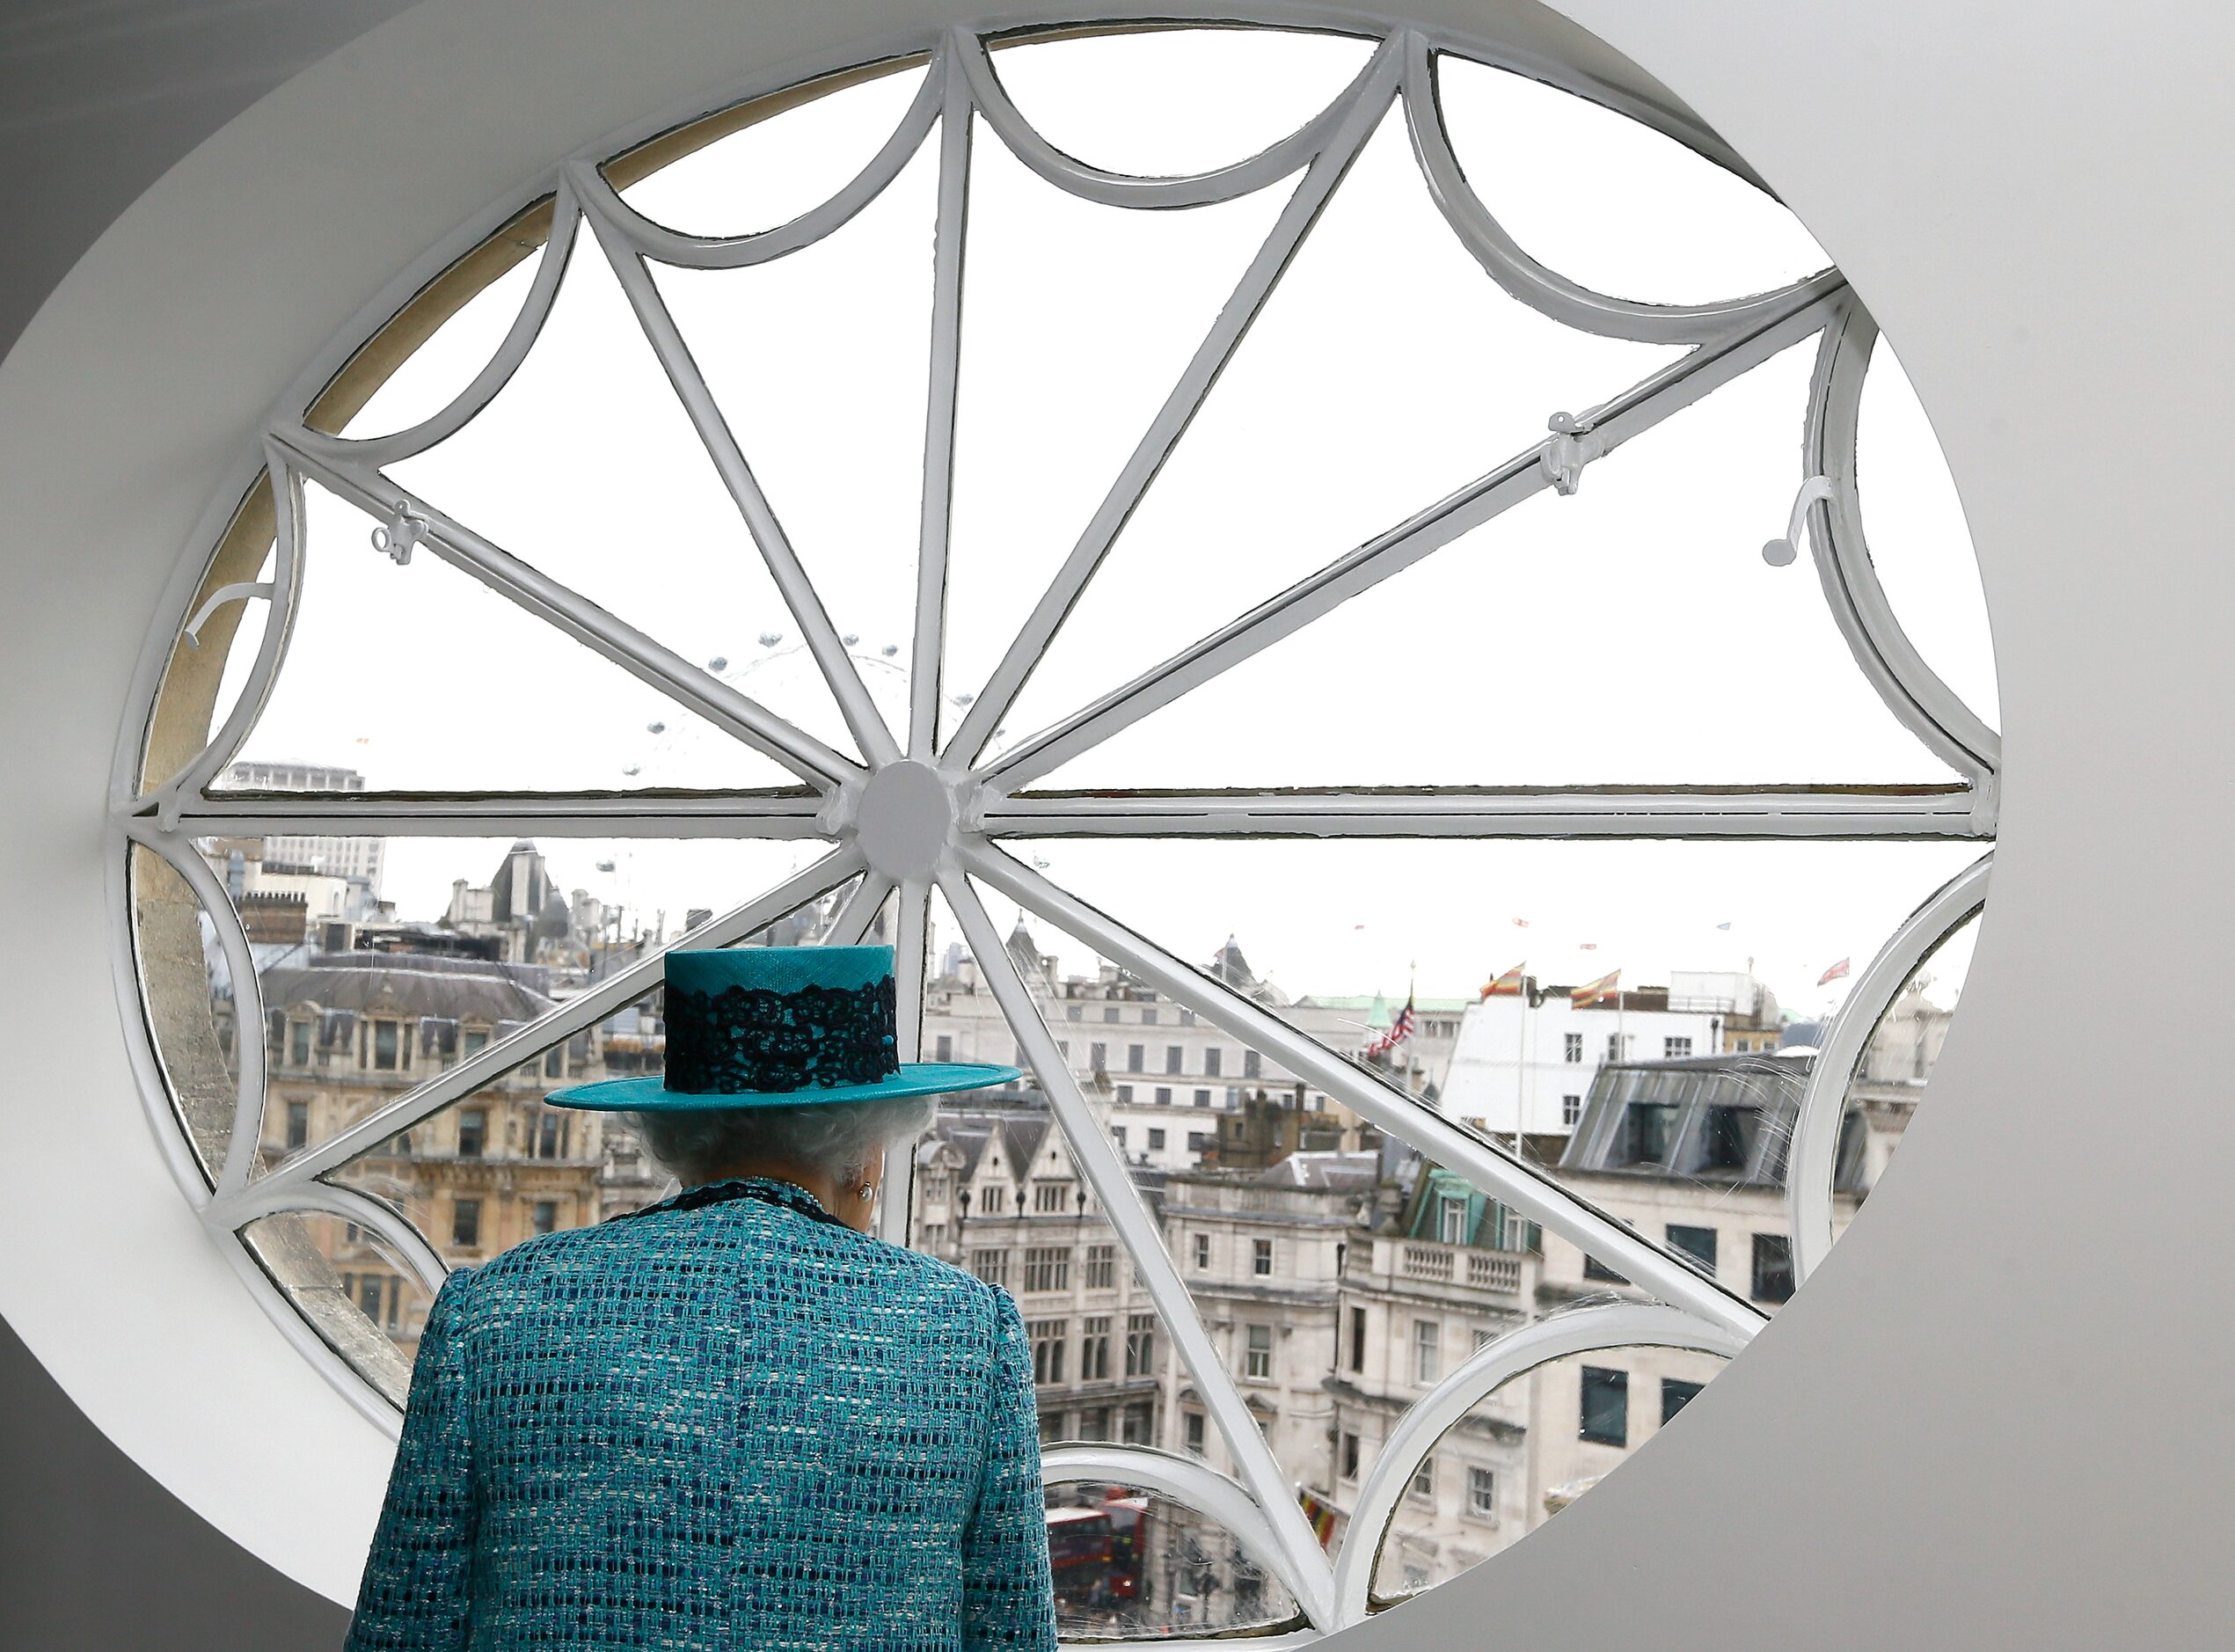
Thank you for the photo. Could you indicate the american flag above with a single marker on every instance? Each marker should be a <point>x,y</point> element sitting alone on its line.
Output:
<point>1400,1030</point>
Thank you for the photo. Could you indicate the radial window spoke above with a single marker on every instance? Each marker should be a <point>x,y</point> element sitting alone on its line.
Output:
<point>1047,409</point>
<point>1185,400</point>
<point>1699,373</point>
<point>293,799</point>
<point>361,1009</point>
<point>1947,811</point>
<point>628,509</point>
<point>1324,430</point>
<point>452,1070</point>
<point>1106,1174</point>
<point>1540,647</point>
<point>431,719</point>
<point>816,362</point>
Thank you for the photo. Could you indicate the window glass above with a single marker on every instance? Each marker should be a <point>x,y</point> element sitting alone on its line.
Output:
<point>1050,408</point>
<point>756,170</point>
<point>471,939</point>
<point>1661,220</point>
<point>1772,1268</point>
<point>1919,546</point>
<point>1520,1455</point>
<point>405,733</point>
<point>1635,625</point>
<point>1077,93</point>
<point>1697,1242</point>
<point>331,1269</point>
<point>1258,1362</point>
<point>1136,1564</point>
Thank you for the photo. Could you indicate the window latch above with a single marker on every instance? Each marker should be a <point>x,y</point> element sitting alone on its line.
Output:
<point>1781,553</point>
<point>1574,444</point>
<point>239,591</point>
<point>400,535</point>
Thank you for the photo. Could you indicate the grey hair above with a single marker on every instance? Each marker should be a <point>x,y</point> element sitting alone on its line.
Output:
<point>838,1138</point>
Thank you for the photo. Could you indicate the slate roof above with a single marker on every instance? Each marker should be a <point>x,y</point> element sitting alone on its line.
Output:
<point>405,985</point>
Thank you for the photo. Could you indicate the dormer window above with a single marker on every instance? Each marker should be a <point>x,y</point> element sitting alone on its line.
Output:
<point>1647,1128</point>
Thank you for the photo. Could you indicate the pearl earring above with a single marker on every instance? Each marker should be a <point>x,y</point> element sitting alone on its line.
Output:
<point>868,1192</point>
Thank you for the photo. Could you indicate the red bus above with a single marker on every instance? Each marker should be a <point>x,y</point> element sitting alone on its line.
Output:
<point>1098,1553</point>
<point>1078,1552</point>
<point>1128,1546</point>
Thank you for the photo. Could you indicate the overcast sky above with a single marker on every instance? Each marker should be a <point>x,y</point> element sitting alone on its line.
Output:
<point>1631,633</point>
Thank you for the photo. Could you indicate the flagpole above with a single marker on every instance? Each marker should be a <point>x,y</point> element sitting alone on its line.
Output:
<point>1520,1054</point>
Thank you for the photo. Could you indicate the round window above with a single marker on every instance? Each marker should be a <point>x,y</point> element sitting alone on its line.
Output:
<point>1173,529</point>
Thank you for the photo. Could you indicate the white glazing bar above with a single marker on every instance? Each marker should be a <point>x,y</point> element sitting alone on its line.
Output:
<point>499,815</point>
<point>585,1009</point>
<point>1535,284</point>
<point>1446,1142</point>
<point>248,1033</point>
<point>1366,102</point>
<point>1924,811</point>
<point>1631,413</point>
<point>271,649</point>
<point>1303,1565</point>
<point>927,658</point>
<point>426,1263</point>
<point>867,724</point>
<point>1581,1331</point>
<point>854,919</point>
<point>1122,189</point>
<point>1189,1481</point>
<point>630,649</point>
<point>520,337</point>
<point>1812,1157</point>
<point>911,966</point>
<point>739,252</point>
<point>1911,690</point>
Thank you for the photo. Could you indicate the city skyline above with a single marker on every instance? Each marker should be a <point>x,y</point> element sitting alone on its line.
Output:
<point>1608,893</point>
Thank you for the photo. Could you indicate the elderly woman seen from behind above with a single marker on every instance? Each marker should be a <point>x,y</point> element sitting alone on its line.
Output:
<point>732,1418</point>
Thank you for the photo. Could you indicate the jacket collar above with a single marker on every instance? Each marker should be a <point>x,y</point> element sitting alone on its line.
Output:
<point>768,1190</point>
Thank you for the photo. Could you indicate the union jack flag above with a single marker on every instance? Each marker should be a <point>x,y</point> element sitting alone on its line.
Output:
<point>1400,1030</point>
<point>1833,974</point>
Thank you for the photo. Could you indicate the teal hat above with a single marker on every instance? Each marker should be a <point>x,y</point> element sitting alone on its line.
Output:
<point>761,1026</point>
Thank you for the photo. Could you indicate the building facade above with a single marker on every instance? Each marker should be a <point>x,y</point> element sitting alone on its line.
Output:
<point>1160,1079</point>
<point>1524,1062</point>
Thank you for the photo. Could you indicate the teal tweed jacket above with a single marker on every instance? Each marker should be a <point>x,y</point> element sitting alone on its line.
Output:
<point>724,1421</point>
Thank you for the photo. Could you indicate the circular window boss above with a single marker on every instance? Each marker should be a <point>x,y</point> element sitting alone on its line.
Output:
<point>924,803</point>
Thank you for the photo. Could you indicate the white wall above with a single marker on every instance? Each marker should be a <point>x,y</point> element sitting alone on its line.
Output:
<point>1510,1068</point>
<point>1981,1425</point>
